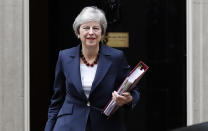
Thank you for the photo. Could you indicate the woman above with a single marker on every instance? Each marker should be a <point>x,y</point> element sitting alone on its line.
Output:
<point>86,79</point>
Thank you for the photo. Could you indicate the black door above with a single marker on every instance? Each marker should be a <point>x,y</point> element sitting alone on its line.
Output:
<point>157,36</point>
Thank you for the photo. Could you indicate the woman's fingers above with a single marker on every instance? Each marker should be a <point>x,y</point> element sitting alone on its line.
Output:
<point>122,99</point>
<point>128,96</point>
<point>117,99</point>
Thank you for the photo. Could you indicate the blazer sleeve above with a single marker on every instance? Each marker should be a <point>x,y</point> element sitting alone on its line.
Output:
<point>58,96</point>
<point>125,69</point>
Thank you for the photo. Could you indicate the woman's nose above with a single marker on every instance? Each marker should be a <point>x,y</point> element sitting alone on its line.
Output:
<point>91,31</point>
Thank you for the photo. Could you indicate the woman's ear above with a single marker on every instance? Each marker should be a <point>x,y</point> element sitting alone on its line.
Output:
<point>78,36</point>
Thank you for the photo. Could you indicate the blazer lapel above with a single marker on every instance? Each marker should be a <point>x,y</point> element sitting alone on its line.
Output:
<point>75,71</point>
<point>104,64</point>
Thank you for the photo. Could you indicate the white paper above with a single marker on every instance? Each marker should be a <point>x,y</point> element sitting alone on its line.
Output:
<point>137,72</point>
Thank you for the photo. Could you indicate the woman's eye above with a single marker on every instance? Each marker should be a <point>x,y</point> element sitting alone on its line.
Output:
<point>93,28</point>
<point>96,28</point>
<point>85,28</point>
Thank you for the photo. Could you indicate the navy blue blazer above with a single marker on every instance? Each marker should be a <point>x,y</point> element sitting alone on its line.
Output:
<point>70,109</point>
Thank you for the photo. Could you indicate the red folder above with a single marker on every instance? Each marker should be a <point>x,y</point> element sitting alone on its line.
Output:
<point>128,84</point>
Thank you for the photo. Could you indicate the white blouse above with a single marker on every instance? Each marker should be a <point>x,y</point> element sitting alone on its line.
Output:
<point>87,77</point>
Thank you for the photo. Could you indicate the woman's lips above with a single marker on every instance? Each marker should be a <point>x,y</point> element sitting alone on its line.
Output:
<point>91,38</point>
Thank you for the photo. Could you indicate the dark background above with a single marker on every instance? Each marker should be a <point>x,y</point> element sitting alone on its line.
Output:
<point>157,30</point>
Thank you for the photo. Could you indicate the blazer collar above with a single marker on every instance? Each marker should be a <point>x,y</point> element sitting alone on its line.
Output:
<point>103,50</point>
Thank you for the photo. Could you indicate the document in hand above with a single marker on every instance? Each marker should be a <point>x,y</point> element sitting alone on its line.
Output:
<point>127,85</point>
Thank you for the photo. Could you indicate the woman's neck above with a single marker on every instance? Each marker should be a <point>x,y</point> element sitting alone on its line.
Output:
<point>90,53</point>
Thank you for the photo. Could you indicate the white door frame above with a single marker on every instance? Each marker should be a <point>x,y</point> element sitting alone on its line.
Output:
<point>26,66</point>
<point>189,62</point>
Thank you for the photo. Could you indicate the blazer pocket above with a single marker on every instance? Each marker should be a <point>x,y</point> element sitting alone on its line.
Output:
<point>66,109</point>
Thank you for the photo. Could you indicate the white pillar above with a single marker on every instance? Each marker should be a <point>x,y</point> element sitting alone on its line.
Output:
<point>197,61</point>
<point>14,71</point>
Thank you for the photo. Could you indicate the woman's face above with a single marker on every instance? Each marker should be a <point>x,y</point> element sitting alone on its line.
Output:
<point>90,33</point>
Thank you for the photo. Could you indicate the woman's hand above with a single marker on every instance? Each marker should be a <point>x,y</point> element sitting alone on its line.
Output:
<point>123,99</point>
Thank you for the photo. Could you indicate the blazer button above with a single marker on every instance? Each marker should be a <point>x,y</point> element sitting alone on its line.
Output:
<point>88,103</point>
